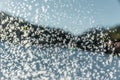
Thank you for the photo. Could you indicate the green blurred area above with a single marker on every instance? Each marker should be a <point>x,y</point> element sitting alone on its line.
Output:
<point>114,33</point>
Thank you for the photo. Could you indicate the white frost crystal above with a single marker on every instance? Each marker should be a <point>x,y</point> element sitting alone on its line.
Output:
<point>25,61</point>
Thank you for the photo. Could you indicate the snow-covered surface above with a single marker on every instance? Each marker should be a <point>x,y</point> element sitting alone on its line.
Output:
<point>33,63</point>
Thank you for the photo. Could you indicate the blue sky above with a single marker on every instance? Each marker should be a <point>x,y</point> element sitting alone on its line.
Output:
<point>75,16</point>
<point>107,12</point>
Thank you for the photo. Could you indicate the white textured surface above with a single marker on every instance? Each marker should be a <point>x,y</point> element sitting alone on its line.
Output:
<point>32,63</point>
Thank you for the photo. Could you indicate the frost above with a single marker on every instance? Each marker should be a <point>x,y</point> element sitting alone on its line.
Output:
<point>44,10</point>
<point>55,64</point>
<point>23,58</point>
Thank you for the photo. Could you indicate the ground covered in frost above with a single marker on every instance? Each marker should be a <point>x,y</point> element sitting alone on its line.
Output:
<point>33,63</point>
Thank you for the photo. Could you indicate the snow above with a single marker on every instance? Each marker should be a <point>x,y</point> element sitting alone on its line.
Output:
<point>18,62</point>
